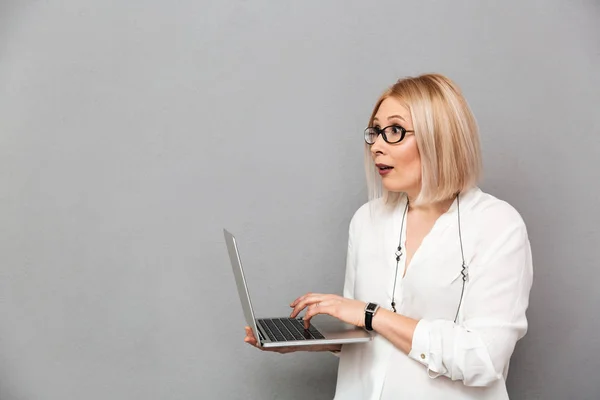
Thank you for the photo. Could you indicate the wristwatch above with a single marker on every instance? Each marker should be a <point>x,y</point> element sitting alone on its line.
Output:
<point>370,310</point>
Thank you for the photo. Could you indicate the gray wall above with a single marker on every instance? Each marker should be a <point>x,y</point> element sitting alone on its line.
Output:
<point>132,132</point>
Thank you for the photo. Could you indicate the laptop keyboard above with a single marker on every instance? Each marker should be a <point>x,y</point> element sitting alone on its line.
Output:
<point>288,329</point>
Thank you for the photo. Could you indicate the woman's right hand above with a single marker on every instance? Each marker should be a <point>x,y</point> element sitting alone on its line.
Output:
<point>250,339</point>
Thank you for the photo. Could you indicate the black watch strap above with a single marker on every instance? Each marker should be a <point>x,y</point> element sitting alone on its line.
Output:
<point>370,311</point>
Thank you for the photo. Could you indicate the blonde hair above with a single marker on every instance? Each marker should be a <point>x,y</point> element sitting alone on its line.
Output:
<point>446,134</point>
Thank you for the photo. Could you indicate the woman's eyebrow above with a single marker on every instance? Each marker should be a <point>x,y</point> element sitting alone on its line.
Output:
<point>396,116</point>
<point>390,117</point>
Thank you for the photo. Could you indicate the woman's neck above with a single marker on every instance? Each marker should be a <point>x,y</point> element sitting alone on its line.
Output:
<point>437,208</point>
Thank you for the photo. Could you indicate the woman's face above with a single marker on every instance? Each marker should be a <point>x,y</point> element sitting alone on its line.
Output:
<point>403,157</point>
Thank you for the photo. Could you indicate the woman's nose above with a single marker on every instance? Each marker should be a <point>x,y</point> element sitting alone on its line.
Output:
<point>378,146</point>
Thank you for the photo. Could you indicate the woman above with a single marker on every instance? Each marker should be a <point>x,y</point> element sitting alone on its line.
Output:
<point>439,270</point>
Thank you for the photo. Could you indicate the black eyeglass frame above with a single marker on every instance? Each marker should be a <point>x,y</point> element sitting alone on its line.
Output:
<point>381,131</point>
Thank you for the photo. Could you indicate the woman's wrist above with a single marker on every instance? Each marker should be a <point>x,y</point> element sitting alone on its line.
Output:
<point>396,328</point>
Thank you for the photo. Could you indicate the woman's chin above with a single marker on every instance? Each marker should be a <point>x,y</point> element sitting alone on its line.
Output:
<point>392,186</point>
<point>396,188</point>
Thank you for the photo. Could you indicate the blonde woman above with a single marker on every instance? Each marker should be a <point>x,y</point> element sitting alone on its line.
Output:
<point>437,269</point>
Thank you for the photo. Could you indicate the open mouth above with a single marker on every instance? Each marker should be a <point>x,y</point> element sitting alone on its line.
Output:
<point>383,167</point>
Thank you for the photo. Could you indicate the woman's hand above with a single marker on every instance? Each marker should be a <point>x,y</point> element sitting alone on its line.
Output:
<point>250,339</point>
<point>347,310</point>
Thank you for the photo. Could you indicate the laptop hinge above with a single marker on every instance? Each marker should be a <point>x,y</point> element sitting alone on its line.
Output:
<point>261,331</point>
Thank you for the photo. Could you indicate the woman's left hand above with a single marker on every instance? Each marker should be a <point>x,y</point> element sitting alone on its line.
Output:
<point>346,310</point>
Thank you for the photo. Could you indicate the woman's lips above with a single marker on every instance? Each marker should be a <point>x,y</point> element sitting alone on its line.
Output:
<point>383,169</point>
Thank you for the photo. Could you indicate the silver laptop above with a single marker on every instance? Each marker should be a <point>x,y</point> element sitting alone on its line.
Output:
<point>285,331</point>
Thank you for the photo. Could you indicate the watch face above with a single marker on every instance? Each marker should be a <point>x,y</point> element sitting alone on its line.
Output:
<point>371,307</point>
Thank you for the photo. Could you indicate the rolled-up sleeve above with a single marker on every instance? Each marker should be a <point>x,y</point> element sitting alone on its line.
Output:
<point>477,348</point>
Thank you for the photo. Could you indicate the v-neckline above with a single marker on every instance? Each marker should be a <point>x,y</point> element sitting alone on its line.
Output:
<point>436,225</point>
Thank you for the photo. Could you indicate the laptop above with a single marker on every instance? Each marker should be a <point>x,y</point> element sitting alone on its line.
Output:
<point>285,331</point>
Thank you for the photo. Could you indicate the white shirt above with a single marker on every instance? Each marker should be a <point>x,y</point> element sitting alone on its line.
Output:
<point>466,360</point>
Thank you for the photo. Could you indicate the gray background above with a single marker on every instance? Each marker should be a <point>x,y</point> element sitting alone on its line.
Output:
<point>132,132</point>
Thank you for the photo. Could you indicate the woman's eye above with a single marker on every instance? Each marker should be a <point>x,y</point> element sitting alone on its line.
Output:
<point>396,129</point>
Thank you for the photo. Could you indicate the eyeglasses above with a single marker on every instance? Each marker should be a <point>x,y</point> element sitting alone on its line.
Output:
<point>391,134</point>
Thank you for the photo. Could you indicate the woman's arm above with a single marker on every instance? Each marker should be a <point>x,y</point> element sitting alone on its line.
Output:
<point>396,328</point>
<point>478,348</point>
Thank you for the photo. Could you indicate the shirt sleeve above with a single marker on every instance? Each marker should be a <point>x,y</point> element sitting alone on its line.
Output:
<point>477,348</point>
<point>350,276</point>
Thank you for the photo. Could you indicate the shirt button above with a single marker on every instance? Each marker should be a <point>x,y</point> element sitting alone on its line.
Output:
<point>422,356</point>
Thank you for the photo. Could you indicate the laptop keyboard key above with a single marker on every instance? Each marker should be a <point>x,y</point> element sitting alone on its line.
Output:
<point>288,329</point>
<point>315,332</point>
<point>293,330</point>
<point>310,333</point>
<point>278,335</point>
<point>288,336</point>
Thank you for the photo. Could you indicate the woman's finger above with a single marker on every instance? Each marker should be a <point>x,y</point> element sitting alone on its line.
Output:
<point>323,307</point>
<point>249,333</point>
<point>301,298</point>
<point>312,299</point>
<point>250,339</point>
<point>307,301</point>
